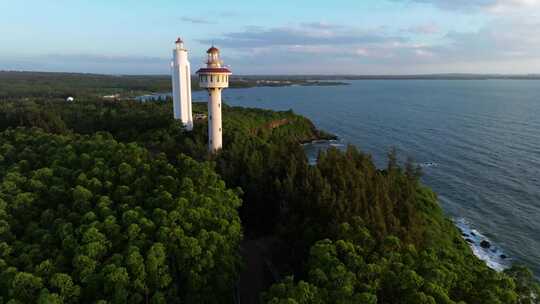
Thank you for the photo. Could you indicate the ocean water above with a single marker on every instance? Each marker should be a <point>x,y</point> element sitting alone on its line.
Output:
<point>478,142</point>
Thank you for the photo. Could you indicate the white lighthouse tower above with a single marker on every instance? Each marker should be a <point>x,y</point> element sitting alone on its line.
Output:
<point>181,84</point>
<point>214,78</point>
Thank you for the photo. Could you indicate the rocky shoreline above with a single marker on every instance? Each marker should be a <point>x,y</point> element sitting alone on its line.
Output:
<point>482,247</point>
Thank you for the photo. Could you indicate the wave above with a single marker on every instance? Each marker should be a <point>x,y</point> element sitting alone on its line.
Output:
<point>428,164</point>
<point>482,247</point>
<point>313,148</point>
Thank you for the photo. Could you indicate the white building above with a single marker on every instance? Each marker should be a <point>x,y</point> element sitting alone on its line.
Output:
<point>214,78</point>
<point>181,84</point>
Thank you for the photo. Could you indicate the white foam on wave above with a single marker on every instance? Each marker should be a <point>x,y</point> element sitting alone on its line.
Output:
<point>312,148</point>
<point>428,164</point>
<point>493,256</point>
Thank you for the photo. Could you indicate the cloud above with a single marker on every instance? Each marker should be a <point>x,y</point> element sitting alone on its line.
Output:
<point>496,6</point>
<point>224,14</point>
<point>88,63</point>
<point>505,7</point>
<point>103,59</point>
<point>205,20</point>
<point>425,29</point>
<point>321,48</point>
<point>500,39</point>
<point>507,42</point>
<point>322,25</point>
<point>455,4</point>
<point>503,44</point>
<point>509,34</point>
<point>305,34</point>
<point>195,20</point>
<point>423,53</point>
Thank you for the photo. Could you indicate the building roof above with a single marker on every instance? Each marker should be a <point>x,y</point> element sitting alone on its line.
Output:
<point>179,40</point>
<point>214,70</point>
<point>213,49</point>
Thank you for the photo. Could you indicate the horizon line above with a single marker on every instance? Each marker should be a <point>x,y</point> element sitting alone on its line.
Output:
<point>300,74</point>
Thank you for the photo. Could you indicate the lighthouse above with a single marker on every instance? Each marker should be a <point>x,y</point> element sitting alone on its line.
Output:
<point>181,84</point>
<point>214,78</point>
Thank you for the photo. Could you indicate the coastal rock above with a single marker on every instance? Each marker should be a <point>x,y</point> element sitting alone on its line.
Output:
<point>485,244</point>
<point>503,256</point>
<point>469,240</point>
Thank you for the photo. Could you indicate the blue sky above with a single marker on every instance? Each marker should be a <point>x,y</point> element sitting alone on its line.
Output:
<point>274,37</point>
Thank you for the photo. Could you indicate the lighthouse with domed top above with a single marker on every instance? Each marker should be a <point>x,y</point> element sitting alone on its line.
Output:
<point>214,78</point>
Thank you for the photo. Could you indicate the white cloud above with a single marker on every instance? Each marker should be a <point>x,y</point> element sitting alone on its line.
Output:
<point>305,34</point>
<point>526,7</point>
<point>328,48</point>
<point>495,6</point>
<point>87,63</point>
<point>425,29</point>
<point>503,45</point>
<point>196,20</point>
<point>423,53</point>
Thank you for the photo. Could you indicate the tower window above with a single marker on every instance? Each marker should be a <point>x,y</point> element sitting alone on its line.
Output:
<point>211,78</point>
<point>219,129</point>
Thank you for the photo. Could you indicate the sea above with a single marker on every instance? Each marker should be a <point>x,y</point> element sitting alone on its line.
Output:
<point>477,141</point>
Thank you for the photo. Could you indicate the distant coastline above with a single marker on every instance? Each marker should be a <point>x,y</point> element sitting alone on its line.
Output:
<point>127,87</point>
<point>301,77</point>
<point>444,76</point>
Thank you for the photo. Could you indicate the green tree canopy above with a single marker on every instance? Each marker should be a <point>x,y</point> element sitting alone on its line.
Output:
<point>85,218</point>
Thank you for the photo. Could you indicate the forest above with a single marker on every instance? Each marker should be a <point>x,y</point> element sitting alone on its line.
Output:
<point>115,202</point>
<point>21,85</point>
<point>62,85</point>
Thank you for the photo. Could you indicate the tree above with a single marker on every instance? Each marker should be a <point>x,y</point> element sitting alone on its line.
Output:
<point>68,291</point>
<point>25,287</point>
<point>80,232</point>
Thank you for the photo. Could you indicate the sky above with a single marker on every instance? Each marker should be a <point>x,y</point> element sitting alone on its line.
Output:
<point>363,37</point>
